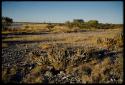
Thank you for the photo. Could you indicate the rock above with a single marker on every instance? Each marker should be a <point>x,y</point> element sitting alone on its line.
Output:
<point>49,67</point>
<point>48,74</point>
<point>62,73</point>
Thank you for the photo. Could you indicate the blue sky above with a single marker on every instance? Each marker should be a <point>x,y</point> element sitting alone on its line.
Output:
<point>36,11</point>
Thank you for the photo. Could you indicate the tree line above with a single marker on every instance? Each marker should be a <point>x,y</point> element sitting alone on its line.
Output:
<point>91,24</point>
<point>79,23</point>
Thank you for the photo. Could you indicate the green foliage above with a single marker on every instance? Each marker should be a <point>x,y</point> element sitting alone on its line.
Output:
<point>81,24</point>
<point>78,21</point>
<point>6,22</point>
<point>93,22</point>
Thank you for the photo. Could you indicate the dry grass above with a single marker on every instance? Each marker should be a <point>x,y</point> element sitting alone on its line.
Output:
<point>94,38</point>
<point>35,27</point>
<point>78,53</point>
<point>44,46</point>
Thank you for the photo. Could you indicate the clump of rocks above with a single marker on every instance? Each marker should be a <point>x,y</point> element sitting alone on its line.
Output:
<point>60,78</point>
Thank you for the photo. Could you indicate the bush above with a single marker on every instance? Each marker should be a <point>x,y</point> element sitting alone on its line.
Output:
<point>6,22</point>
<point>27,26</point>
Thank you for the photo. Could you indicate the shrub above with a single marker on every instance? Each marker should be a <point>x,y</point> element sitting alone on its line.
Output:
<point>87,71</point>
<point>6,22</point>
<point>26,26</point>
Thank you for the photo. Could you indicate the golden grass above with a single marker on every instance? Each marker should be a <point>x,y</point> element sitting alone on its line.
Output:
<point>56,55</point>
<point>36,70</point>
<point>61,29</point>
<point>86,79</point>
<point>85,37</point>
<point>45,46</point>
<point>4,75</point>
<point>6,32</point>
<point>69,69</point>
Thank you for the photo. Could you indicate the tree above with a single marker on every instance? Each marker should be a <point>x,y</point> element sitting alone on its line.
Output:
<point>78,23</point>
<point>6,22</point>
<point>93,22</point>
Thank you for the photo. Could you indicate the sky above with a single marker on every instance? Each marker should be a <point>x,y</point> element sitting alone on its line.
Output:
<point>59,12</point>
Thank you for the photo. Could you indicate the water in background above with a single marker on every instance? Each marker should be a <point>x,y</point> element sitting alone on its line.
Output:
<point>16,25</point>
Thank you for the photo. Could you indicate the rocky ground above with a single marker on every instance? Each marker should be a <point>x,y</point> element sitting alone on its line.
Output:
<point>53,65</point>
<point>59,62</point>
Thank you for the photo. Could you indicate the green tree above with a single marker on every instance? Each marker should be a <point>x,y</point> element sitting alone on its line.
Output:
<point>78,23</point>
<point>93,22</point>
<point>6,22</point>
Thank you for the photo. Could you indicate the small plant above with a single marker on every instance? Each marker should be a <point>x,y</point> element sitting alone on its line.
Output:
<point>27,26</point>
<point>87,71</point>
<point>99,41</point>
<point>45,46</point>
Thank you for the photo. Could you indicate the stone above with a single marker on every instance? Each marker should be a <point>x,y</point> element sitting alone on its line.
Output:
<point>48,74</point>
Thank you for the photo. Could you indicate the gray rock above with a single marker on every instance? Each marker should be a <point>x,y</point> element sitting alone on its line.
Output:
<point>48,74</point>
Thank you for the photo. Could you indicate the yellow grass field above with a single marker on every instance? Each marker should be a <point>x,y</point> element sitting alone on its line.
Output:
<point>93,56</point>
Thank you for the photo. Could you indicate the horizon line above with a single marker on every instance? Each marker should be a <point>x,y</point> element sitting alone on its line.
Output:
<point>55,22</point>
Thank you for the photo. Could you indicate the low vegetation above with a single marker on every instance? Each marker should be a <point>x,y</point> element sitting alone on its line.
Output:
<point>77,25</point>
<point>66,53</point>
